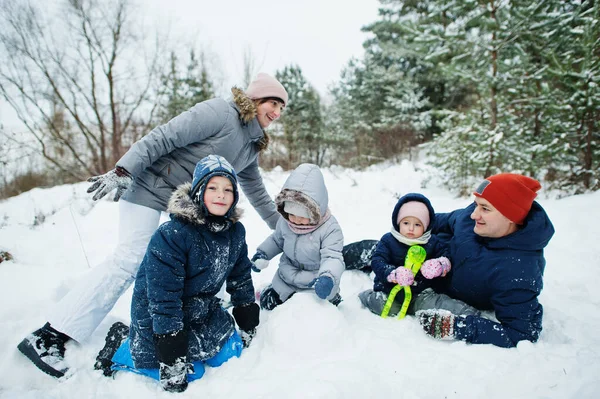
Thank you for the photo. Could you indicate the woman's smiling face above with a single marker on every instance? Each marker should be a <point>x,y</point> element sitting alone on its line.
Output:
<point>269,111</point>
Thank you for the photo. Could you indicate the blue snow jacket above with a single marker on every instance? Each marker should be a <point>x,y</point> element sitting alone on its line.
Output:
<point>500,274</point>
<point>391,253</point>
<point>184,268</point>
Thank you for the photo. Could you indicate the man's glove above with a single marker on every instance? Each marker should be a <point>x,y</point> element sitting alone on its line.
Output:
<point>437,323</point>
<point>323,286</point>
<point>171,350</point>
<point>433,268</point>
<point>247,318</point>
<point>118,178</point>
<point>401,276</point>
<point>259,261</point>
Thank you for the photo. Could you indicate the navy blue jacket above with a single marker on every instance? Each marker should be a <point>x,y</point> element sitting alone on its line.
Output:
<point>500,274</point>
<point>390,253</point>
<point>184,268</point>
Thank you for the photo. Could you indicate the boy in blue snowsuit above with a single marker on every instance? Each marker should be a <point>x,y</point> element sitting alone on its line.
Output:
<point>411,220</point>
<point>177,322</point>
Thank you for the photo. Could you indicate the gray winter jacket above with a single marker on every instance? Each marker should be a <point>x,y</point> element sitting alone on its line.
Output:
<point>306,256</point>
<point>165,158</point>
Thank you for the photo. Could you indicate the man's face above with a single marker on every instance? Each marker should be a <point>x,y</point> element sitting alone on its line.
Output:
<point>489,222</point>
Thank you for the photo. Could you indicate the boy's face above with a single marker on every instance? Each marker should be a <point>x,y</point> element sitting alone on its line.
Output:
<point>411,227</point>
<point>298,219</point>
<point>218,195</point>
<point>489,222</point>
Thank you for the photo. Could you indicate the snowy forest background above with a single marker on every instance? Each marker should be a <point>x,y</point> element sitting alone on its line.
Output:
<point>483,86</point>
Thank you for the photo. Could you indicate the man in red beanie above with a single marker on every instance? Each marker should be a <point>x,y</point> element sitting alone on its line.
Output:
<point>497,253</point>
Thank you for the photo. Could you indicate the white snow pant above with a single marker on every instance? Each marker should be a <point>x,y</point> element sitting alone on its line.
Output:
<point>84,307</point>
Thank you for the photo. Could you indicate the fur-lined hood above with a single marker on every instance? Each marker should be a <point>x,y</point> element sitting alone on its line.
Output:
<point>182,206</point>
<point>247,109</point>
<point>305,186</point>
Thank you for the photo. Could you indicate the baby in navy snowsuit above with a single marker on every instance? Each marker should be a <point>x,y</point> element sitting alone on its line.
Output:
<point>411,219</point>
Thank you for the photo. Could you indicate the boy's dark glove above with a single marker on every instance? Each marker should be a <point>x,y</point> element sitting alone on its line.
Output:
<point>259,261</point>
<point>171,350</point>
<point>437,323</point>
<point>118,178</point>
<point>247,318</point>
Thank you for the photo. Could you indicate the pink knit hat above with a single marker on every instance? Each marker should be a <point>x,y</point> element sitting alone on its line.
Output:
<point>416,209</point>
<point>266,86</point>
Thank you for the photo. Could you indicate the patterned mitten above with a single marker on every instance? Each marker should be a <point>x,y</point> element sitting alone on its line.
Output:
<point>437,323</point>
<point>433,268</point>
<point>401,276</point>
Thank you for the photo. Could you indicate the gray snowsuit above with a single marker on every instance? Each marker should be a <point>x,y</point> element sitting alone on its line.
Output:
<point>311,255</point>
<point>166,157</point>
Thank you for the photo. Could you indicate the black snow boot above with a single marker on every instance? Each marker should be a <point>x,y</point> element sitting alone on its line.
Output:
<point>117,333</point>
<point>336,300</point>
<point>269,298</point>
<point>45,347</point>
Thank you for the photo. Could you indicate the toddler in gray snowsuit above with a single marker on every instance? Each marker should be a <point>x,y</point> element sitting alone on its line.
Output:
<point>309,237</point>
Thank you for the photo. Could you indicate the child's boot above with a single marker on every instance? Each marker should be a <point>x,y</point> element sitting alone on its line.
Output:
<point>336,300</point>
<point>269,299</point>
<point>117,333</point>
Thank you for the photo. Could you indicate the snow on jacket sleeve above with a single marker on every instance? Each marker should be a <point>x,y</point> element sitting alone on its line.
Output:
<point>165,277</point>
<point>239,281</point>
<point>201,121</point>
<point>254,188</point>
<point>332,260</point>
<point>382,258</point>
<point>273,244</point>
<point>518,311</point>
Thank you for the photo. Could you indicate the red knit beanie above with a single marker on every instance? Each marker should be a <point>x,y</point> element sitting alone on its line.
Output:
<point>511,194</point>
<point>266,86</point>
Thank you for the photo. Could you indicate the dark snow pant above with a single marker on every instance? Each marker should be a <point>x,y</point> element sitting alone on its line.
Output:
<point>428,299</point>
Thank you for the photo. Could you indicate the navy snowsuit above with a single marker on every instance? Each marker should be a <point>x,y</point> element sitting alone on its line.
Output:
<point>390,253</point>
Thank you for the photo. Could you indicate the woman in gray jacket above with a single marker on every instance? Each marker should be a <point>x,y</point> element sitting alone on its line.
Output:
<point>144,179</point>
<point>309,237</point>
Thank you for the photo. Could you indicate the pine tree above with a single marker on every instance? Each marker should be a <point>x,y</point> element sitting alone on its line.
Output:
<point>302,121</point>
<point>183,90</point>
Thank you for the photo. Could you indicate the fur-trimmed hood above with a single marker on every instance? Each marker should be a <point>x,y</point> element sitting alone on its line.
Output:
<point>247,109</point>
<point>182,206</point>
<point>305,186</point>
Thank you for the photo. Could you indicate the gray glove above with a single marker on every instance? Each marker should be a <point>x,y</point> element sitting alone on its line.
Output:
<point>118,178</point>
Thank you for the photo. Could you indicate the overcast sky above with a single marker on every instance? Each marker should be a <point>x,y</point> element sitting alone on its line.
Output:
<point>318,35</point>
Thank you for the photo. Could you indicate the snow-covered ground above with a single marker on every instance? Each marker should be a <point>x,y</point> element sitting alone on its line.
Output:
<point>307,348</point>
